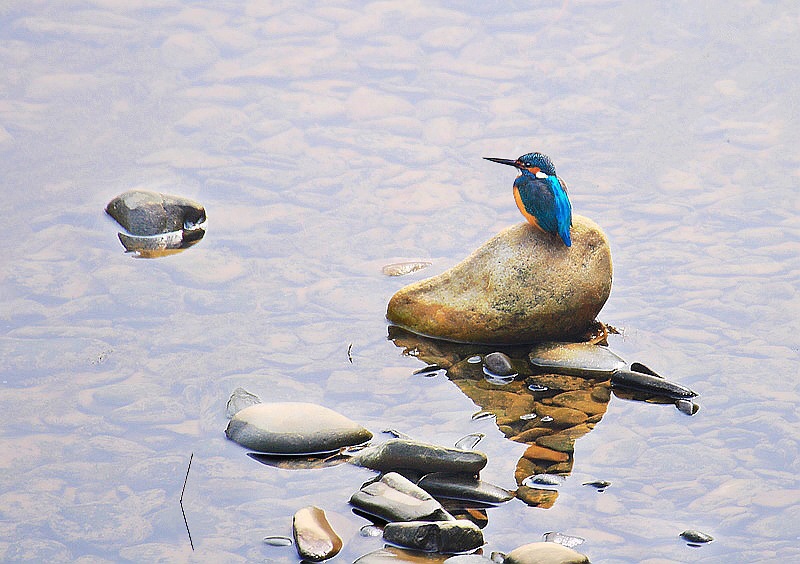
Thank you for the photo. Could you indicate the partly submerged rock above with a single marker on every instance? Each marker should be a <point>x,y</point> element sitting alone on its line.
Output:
<point>395,498</point>
<point>576,359</point>
<point>650,384</point>
<point>545,553</point>
<point>397,454</point>
<point>463,487</point>
<point>519,287</point>
<point>696,537</point>
<point>314,537</point>
<point>293,428</point>
<point>499,364</point>
<point>142,212</point>
<point>445,537</point>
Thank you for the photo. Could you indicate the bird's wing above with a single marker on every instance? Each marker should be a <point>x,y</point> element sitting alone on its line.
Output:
<point>539,201</point>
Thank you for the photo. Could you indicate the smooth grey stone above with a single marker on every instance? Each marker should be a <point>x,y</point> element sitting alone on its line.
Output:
<point>499,364</point>
<point>576,359</point>
<point>444,537</point>
<point>518,287</point>
<point>394,498</point>
<point>396,454</point>
<point>142,212</point>
<point>314,537</point>
<point>294,428</point>
<point>545,553</point>
<point>647,383</point>
<point>463,487</point>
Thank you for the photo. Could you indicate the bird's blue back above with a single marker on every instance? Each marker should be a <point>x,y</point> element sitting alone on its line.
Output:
<point>546,200</point>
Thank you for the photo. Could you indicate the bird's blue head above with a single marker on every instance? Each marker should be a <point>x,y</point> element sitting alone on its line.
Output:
<point>532,162</point>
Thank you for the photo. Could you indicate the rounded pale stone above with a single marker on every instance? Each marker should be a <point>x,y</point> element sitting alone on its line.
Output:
<point>545,553</point>
<point>294,428</point>
<point>519,287</point>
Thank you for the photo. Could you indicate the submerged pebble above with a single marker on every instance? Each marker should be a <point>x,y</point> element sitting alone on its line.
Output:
<point>498,364</point>
<point>294,428</point>
<point>599,485</point>
<point>313,535</point>
<point>468,442</point>
<point>564,540</point>
<point>696,537</point>
<point>539,480</point>
<point>276,540</point>
<point>443,537</point>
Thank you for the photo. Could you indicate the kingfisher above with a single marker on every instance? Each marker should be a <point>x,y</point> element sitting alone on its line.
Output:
<point>541,196</point>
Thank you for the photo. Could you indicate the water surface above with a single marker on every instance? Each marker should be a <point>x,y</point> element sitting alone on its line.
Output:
<point>327,142</point>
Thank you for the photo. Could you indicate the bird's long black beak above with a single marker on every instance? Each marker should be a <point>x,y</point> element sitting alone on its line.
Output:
<point>503,161</point>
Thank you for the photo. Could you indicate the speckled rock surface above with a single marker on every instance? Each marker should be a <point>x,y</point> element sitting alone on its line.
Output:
<point>518,287</point>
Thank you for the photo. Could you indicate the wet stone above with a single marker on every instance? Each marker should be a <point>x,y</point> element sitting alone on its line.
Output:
<point>545,553</point>
<point>519,287</point>
<point>647,383</point>
<point>499,364</point>
<point>561,417</point>
<point>294,428</point>
<point>146,213</point>
<point>395,498</point>
<point>576,359</point>
<point>463,487</point>
<point>536,452</point>
<point>696,537</point>
<point>582,400</point>
<point>536,497</point>
<point>443,537</point>
<point>559,442</point>
<point>314,537</point>
<point>399,453</point>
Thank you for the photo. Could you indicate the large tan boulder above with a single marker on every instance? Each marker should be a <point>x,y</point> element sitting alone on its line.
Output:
<point>521,286</point>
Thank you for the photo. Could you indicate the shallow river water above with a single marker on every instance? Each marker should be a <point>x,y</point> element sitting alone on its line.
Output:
<point>327,140</point>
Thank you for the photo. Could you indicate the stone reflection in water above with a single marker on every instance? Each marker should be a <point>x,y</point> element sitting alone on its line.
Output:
<point>546,411</point>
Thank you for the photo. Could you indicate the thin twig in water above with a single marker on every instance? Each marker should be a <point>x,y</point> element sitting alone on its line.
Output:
<point>349,350</point>
<point>185,522</point>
